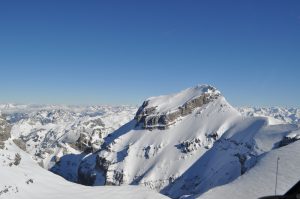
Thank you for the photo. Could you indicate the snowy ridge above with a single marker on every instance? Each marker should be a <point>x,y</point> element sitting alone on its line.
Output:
<point>169,103</point>
<point>190,144</point>
<point>48,133</point>
<point>213,138</point>
<point>279,114</point>
<point>163,111</point>
<point>156,158</point>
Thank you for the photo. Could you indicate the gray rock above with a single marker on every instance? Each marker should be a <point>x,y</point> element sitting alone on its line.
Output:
<point>189,145</point>
<point>148,120</point>
<point>117,178</point>
<point>17,159</point>
<point>84,143</point>
<point>5,129</point>
<point>20,143</point>
<point>287,140</point>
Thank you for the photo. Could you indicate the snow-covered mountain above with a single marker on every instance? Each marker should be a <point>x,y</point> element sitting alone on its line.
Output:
<point>50,132</point>
<point>190,144</point>
<point>22,178</point>
<point>168,135</point>
<point>281,115</point>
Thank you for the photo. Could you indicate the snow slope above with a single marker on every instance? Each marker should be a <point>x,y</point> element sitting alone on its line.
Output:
<point>29,181</point>
<point>50,132</point>
<point>260,180</point>
<point>45,131</point>
<point>236,154</point>
<point>156,158</point>
<point>212,145</point>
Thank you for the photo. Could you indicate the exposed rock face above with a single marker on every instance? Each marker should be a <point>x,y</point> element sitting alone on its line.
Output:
<point>150,118</point>
<point>20,143</point>
<point>103,163</point>
<point>151,150</point>
<point>112,177</point>
<point>116,178</point>
<point>189,145</point>
<point>288,140</point>
<point>4,131</point>
<point>242,159</point>
<point>84,143</point>
<point>17,159</point>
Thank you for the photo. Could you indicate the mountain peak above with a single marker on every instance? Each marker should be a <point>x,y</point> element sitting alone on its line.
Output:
<point>161,111</point>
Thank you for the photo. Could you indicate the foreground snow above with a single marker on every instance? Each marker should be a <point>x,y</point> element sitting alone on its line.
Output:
<point>29,181</point>
<point>260,180</point>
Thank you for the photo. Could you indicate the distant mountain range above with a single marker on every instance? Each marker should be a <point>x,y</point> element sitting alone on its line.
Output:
<point>190,144</point>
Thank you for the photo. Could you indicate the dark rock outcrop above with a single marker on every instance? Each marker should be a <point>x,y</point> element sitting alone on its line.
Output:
<point>84,143</point>
<point>288,140</point>
<point>5,129</point>
<point>148,118</point>
<point>189,145</point>
<point>20,143</point>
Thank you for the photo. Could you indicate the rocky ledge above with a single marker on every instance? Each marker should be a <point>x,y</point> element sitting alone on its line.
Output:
<point>5,128</point>
<point>149,116</point>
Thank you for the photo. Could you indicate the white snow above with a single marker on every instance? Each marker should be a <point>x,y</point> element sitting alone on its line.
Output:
<point>260,180</point>
<point>168,162</point>
<point>276,114</point>
<point>168,103</point>
<point>217,151</point>
<point>29,181</point>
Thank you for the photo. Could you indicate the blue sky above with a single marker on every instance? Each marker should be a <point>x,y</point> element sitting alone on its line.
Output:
<point>121,52</point>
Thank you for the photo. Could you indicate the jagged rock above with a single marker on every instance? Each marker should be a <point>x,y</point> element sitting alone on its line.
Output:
<point>196,143</point>
<point>103,163</point>
<point>189,145</point>
<point>30,181</point>
<point>150,118</point>
<point>84,143</point>
<point>288,140</point>
<point>117,178</point>
<point>20,143</point>
<point>94,123</point>
<point>242,159</point>
<point>151,151</point>
<point>5,129</point>
<point>17,159</point>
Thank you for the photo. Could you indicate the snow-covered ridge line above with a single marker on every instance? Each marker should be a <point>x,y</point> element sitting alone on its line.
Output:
<point>169,103</point>
<point>48,133</point>
<point>281,114</point>
<point>162,111</point>
<point>284,114</point>
<point>25,108</point>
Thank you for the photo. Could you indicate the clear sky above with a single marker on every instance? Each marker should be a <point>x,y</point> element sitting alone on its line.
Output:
<point>121,52</point>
